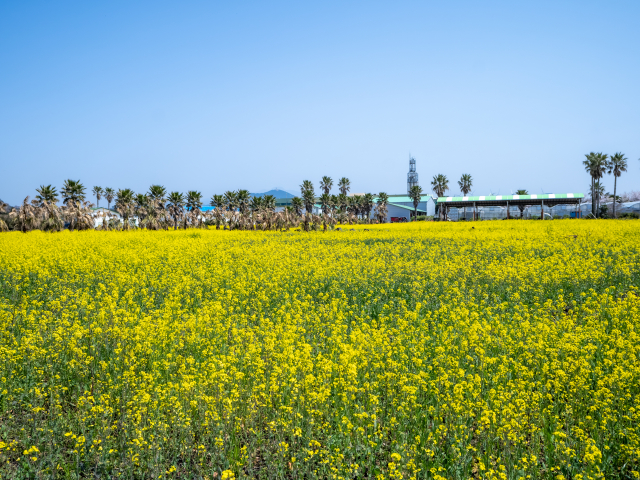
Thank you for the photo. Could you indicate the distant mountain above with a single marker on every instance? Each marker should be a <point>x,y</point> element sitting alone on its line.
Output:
<point>276,193</point>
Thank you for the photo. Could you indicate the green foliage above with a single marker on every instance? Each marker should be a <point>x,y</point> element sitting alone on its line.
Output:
<point>72,191</point>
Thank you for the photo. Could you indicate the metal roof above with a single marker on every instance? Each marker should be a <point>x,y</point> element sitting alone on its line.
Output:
<point>405,198</point>
<point>549,198</point>
<point>405,207</point>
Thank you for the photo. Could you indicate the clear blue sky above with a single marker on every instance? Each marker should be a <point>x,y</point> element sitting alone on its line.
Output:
<point>215,96</point>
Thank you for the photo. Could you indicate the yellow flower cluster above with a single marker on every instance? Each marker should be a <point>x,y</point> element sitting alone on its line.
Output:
<point>504,351</point>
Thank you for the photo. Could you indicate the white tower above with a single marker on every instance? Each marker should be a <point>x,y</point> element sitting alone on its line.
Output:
<point>412,176</point>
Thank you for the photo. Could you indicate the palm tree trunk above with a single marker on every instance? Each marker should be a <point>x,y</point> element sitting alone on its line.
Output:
<point>615,182</point>
<point>593,196</point>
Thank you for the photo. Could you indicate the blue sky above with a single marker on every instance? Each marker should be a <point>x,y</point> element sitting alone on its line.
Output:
<point>216,96</point>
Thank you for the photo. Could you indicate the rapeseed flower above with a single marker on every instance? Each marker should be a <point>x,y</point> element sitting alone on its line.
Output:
<point>508,351</point>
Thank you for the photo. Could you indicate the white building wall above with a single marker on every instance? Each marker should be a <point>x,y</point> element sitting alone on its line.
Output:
<point>394,211</point>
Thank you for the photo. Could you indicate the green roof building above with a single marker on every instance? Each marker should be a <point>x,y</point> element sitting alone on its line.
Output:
<point>486,207</point>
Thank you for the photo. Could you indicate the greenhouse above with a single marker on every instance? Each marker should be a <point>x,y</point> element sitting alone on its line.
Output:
<point>499,207</point>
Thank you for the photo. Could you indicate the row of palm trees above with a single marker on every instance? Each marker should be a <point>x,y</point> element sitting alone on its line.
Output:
<point>44,213</point>
<point>597,165</point>
<point>159,209</point>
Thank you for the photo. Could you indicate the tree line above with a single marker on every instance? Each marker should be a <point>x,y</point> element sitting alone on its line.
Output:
<point>597,165</point>
<point>159,209</point>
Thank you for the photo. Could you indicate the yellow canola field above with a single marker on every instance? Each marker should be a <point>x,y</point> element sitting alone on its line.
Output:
<point>508,350</point>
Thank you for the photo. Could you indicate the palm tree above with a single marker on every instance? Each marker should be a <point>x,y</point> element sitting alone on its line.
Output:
<point>269,203</point>
<point>596,165</point>
<point>367,205</point>
<point>325,202</point>
<point>46,194</point>
<point>231,199</point>
<point>176,204</point>
<point>157,199</point>
<point>72,191</point>
<point>440,185</point>
<point>243,197</point>
<point>381,207</point>
<point>344,185</point>
<point>256,204</point>
<point>599,192</point>
<point>308,195</point>
<point>335,203</point>
<point>124,205</point>
<point>342,202</point>
<point>603,167</point>
<point>141,205</point>
<point>354,205</point>
<point>465,183</point>
<point>415,194</point>
<point>194,200</point>
<point>521,207</point>
<point>141,200</point>
<point>194,204</point>
<point>297,204</point>
<point>97,191</point>
<point>308,198</point>
<point>589,166</point>
<point>352,208</point>
<point>325,205</point>
<point>109,194</point>
<point>617,165</point>
<point>157,192</point>
<point>218,203</point>
<point>325,184</point>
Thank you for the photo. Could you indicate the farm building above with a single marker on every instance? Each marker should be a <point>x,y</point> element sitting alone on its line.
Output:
<point>402,206</point>
<point>498,207</point>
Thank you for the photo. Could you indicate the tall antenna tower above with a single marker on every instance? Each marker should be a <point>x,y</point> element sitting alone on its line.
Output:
<point>412,176</point>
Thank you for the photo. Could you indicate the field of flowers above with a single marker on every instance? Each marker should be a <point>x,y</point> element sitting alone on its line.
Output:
<point>508,350</point>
